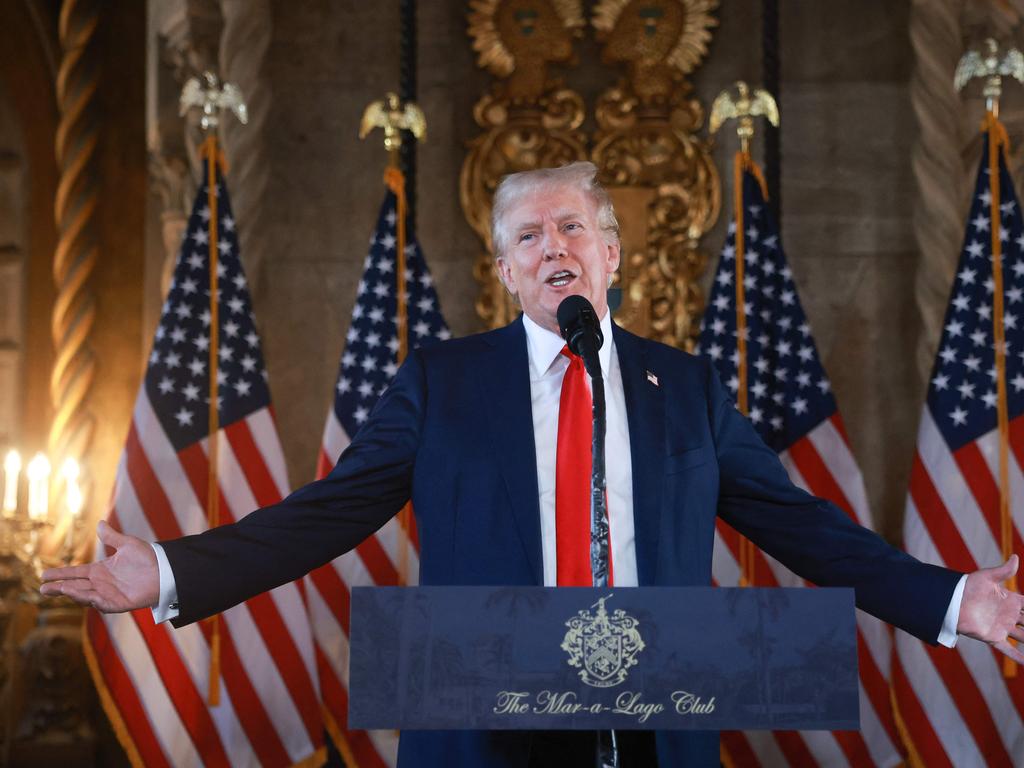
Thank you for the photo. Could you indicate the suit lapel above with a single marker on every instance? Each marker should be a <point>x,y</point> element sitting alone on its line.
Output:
<point>505,378</point>
<point>645,412</point>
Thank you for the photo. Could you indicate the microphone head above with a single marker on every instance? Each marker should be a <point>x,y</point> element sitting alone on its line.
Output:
<point>576,317</point>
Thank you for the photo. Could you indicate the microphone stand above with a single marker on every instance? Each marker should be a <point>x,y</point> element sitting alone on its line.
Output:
<point>607,745</point>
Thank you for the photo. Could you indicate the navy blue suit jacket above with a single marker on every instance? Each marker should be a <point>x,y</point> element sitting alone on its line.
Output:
<point>455,433</point>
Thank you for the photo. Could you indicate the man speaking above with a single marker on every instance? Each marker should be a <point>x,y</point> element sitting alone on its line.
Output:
<point>489,437</point>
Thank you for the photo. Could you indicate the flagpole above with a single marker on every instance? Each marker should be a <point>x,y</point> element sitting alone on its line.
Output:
<point>740,161</point>
<point>208,94</point>
<point>986,64</point>
<point>997,140</point>
<point>743,106</point>
<point>395,180</point>
<point>393,116</point>
<point>210,151</point>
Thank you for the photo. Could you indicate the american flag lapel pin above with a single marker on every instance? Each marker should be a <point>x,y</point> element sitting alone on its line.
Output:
<point>653,379</point>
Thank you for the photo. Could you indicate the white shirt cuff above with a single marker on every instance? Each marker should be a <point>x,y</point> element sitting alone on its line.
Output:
<point>167,608</point>
<point>947,635</point>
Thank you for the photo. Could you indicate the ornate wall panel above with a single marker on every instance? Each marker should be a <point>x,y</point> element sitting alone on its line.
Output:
<point>659,173</point>
<point>529,119</point>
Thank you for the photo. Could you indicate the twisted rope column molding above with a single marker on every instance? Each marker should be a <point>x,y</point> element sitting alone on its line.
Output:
<point>74,310</point>
<point>937,160</point>
<point>243,49</point>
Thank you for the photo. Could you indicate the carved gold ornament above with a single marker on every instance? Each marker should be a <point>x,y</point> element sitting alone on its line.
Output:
<point>528,119</point>
<point>516,39</point>
<point>659,173</point>
<point>659,40</point>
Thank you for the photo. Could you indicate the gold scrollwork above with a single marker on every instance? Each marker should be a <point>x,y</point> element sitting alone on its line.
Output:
<point>516,39</point>
<point>529,120</point>
<point>659,173</point>
<point>659,40</point>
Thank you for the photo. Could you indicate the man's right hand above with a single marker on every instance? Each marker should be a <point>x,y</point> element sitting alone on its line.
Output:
<point>127,580</point>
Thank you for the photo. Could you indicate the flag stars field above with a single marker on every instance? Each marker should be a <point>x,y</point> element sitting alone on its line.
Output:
<point>368,364</point>
<point>791,406</point>
<point>957,707</point>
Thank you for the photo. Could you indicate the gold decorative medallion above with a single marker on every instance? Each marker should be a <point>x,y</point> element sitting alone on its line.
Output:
<point>659,40</point>
<point>516,39</point>
<point>603,646</point>
<point>659,173</point>
<point>529,120</point>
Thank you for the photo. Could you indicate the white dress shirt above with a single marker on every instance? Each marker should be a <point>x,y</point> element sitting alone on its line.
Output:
<point>547,366</point>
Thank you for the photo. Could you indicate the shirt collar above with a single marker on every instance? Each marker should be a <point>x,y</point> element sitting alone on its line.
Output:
<point>544,346</point>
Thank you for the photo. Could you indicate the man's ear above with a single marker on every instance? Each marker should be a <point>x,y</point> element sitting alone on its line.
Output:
<point>505,275</point>
<point>614,256</point>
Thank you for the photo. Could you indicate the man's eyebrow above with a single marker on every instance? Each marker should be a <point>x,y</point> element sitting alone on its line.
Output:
<point>560,216</point>
<point>526,225</point>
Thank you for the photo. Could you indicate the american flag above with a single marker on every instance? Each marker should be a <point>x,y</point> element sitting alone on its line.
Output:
<point>791,405</point>
<point>390,557</point>
<point>957,708</point>
<point>153,679</point>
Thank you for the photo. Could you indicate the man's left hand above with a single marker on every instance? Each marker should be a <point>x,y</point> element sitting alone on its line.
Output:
<point>990,612</point>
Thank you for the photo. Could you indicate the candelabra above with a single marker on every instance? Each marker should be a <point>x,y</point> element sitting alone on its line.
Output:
<point>24,527</point>
<point>46,706</point>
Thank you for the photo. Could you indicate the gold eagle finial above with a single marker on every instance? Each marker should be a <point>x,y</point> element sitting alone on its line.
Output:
<point>208,94</point>
<point>390,114</point>
<point>989,64</point>
<point>744,105</point>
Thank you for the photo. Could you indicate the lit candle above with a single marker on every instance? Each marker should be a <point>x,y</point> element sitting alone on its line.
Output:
<point>72,491</point>
<point>12,469</point>
<point>38,487</point>
<point>72,499</point>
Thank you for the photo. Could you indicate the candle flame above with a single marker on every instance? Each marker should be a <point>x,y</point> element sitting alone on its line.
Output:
<point>38,487</point>
<point>12,468</point>
<point>70,471</point>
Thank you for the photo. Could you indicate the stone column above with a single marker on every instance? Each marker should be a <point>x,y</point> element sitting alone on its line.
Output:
<point>183,40</point>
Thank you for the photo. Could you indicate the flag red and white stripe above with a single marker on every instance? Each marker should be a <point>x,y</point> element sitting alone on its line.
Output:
<point>789,402</point>
<point>822,464</point>
<point>391,556</point>
<point>957,708</point>
<point>378,561</point>
<point>154,680</point>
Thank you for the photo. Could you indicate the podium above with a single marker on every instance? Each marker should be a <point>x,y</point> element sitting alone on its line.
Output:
<point>650,658</point>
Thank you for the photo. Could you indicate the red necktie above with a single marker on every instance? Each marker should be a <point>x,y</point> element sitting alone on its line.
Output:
<point>572,478</point>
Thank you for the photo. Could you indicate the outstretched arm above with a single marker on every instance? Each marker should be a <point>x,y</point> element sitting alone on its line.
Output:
<point>127,580</point>
<point>992,613</point>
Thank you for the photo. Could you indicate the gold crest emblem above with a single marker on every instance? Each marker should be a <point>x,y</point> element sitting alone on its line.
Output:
<point>604,646</point>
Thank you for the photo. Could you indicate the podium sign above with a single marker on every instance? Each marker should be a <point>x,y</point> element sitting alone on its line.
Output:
<point>655,658</point>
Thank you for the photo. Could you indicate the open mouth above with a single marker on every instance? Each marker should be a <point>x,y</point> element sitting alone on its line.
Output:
<point>560,279</point>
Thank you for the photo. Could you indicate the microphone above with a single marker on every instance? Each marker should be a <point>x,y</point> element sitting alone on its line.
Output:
<point>581,330</point>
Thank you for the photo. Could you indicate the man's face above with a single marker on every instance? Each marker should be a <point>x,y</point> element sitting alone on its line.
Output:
<point>556,249</point>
